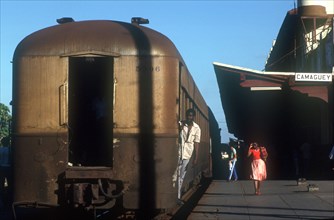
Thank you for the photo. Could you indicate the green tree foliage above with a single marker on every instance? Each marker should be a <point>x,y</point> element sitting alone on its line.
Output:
<point>5,122</point>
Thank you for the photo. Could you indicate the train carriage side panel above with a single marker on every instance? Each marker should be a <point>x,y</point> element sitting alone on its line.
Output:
<point>127,158</point>
<point>40,142</point>
<point>164,93</point>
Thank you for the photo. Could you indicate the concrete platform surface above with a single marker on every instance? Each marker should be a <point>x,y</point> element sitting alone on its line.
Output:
<point>279,199</point>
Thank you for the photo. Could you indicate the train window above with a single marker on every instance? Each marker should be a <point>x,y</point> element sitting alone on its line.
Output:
<point>90,100</point>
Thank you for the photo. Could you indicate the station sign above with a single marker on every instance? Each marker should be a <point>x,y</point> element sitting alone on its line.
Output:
<point>314,77</point>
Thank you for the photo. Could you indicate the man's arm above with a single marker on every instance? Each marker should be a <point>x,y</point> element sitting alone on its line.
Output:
<point>196,146</point>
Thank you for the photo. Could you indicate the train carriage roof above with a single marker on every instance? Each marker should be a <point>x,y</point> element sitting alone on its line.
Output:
<point>101,37</point>
<point>98,38</point>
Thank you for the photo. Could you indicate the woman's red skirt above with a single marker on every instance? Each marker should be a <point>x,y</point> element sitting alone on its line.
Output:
<point>259,171</point>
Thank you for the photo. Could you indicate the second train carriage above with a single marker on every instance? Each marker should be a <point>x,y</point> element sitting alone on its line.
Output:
<point>96,106</point>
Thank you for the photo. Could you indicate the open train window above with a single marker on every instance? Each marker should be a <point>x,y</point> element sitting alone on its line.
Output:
<point>90,98</point>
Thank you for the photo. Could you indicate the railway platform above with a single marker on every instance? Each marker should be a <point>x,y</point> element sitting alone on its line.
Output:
<point>235,200</point>
<point>279,199</point>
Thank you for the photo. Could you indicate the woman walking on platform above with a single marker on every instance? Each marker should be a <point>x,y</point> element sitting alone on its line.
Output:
<point>259,172</point>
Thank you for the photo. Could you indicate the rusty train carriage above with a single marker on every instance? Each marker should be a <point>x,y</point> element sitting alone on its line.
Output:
<point>100,100</point>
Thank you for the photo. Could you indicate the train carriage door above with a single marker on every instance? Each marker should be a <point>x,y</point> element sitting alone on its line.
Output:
<point>90,113</point>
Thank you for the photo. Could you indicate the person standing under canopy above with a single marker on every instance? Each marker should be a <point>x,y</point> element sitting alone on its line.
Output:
<point>232,164</point>
<point>259,172</point>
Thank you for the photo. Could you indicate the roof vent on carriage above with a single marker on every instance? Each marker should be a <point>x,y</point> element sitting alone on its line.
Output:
<point>139,20</point>
<point>64,20</point>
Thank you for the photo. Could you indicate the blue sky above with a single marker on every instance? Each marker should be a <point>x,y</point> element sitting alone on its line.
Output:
<point>233,32</point>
